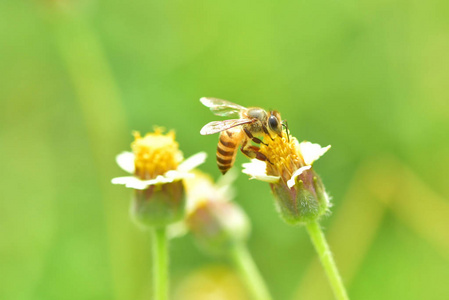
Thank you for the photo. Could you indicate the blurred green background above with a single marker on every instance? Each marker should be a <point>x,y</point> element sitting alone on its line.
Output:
<point>368,77</point>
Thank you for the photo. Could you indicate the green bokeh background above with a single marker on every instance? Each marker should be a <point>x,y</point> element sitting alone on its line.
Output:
<point>368,77</point>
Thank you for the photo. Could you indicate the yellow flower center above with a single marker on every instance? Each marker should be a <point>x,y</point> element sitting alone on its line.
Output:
<point>155,153</point>
<point>283,155</point>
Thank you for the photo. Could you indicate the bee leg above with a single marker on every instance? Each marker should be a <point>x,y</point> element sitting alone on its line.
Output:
<point>265,129</point>
<point>262,157</point>
<point>254,139</point>
<point>253,152</point>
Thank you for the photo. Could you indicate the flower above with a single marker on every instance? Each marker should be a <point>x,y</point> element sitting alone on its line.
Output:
<point>158,169</point>
<point>155,160</point>
<point>215,221</point>
<point>299,192</point>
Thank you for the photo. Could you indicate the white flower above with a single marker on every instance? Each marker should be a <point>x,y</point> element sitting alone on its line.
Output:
<point>126,161</point>
<point>309,152</point>
<point>216,222</point>
<point>201,189</point>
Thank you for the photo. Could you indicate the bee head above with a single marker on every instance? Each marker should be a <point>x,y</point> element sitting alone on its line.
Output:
<point>275,123</point>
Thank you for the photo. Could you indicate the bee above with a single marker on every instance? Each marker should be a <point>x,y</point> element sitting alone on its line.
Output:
<point>252,122</point>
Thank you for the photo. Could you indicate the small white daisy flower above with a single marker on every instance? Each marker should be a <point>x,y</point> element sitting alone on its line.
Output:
<point>155,160</point>
<point>157,171</point>
<point>310,152</point>
<point>215,221</point>
<point>298,189</point>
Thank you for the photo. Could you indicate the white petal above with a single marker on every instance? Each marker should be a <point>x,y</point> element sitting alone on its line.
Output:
<point>266,178</point>
<point>138,184</point>
<point>125,160</point>
<point>257,170</point>
<point>131,182</point>
<point>298,172</point>
<point>192,162</point>
<point>311,152</point>
<point>255,167</point>
<point>158,180</point>
<point>176,175</point>
<point>172,174</point>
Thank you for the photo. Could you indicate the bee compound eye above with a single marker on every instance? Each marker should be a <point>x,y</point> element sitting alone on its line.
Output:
<point>273,122</point>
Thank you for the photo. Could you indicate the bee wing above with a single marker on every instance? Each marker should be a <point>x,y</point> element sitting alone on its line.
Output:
<point>222,107</point>
<point>217,126</point>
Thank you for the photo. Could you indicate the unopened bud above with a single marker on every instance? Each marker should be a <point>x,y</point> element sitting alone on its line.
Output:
<point>304,202</point>
<point>216,222</point>
<point>218,226</point>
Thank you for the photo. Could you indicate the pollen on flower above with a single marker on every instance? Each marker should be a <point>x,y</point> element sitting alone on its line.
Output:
<point>155,153</point>
<point>283,155</point>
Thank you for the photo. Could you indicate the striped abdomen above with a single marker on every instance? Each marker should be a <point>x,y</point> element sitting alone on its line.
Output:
<point>227,148</point>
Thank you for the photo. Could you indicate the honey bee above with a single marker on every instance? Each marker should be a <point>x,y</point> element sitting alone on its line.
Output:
<point>252,122</point>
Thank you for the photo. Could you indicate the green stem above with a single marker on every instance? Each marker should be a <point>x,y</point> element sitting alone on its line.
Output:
<point>160,261</point>
<point>322,248</point>
<point>248,270</point>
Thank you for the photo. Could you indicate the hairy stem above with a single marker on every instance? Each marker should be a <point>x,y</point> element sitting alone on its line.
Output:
<point>322,248</point>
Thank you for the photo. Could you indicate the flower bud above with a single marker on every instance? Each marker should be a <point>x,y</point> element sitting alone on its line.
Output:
<point>304,202</point>
<point>216,222</point>
<point>218,226</point>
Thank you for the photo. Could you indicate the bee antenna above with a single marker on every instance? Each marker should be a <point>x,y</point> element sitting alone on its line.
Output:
<point>285,124</point>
